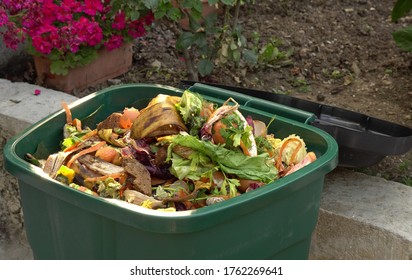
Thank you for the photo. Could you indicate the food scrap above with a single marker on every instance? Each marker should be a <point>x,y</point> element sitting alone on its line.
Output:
<point>177,153</point>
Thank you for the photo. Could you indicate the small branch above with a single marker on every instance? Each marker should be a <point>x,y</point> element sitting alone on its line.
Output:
<point>226,15</point>
<point>236,17</point>
<point>190,67</point>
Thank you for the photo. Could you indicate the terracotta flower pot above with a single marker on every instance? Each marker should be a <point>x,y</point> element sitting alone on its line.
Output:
<point>108,65</point>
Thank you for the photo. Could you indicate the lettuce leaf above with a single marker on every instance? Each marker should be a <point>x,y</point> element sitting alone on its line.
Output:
<point>259,168</point>
<point>189,107</point>
<point>194,168</point>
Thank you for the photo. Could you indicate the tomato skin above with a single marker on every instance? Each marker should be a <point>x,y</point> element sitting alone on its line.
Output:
<point>108,154</point>
<point>131,113</point>
<point>216,133</point>
<point>128,117</point>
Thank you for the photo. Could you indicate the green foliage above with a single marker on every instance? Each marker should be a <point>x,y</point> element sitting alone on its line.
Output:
<point>252,52</point>
<point>60,64</point>
<point>402,37</point>
<point>198,38</point>
<point>405,169</point>
<point>208,41</point>
<point>205,67</point>
<point>132,9</point>
<point>301,85</point>
<point>401,9</point>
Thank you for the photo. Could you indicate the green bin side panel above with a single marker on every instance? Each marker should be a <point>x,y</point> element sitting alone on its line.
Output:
<point>57,229</point>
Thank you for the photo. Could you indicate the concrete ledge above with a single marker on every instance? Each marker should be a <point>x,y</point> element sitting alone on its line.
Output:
<point>19,108</point>
<point>361,217</point>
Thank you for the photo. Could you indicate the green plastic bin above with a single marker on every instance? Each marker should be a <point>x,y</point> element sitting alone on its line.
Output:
<point>273,222</point>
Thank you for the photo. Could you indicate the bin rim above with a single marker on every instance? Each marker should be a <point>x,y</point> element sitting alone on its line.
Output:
<point>172,222</point>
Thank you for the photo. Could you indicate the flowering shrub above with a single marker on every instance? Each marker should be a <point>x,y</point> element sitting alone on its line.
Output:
<point>70,32</point>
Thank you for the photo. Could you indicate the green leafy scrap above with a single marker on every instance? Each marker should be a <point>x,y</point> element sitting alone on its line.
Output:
<point>258,168</point>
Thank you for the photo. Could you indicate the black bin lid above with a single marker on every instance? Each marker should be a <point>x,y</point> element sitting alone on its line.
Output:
<point>363,140</point>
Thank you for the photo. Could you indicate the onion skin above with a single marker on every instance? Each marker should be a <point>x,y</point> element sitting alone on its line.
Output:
<point>259,128</point>
<point>246,183</point>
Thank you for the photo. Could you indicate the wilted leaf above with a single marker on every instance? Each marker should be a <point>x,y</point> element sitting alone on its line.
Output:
<point>233,45</point>
<point>185,40</point>
<point>224,50</point>
<point>236,55</point>
<point>41,151</point>
<point>205,67</point>
<point>250,57</point>
<point>156,64</point>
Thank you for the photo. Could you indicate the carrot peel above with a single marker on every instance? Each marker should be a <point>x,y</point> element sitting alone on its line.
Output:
<point>86,151</point>
<point>69,118</point>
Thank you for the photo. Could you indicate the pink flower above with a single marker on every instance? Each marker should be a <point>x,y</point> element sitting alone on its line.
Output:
<point>136,29</point>
<point>55,40</point>
<point>119,22</point>
<point>41,45</point>
<point>71,5</point>
<point>48,11</point>
<point>45,38</point>
<point>88,31</point>
<point>59,28</point>
<point>12,36</point>
<point>3,17</point>
<point>114,42</point>
<point>149,18</point>
<point>66,10</point>
<point>91,7</point>
<point>10,40</point>
<point>37,92</point>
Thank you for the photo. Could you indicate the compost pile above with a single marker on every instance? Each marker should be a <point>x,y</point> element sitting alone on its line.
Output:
<point>177,153</point>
